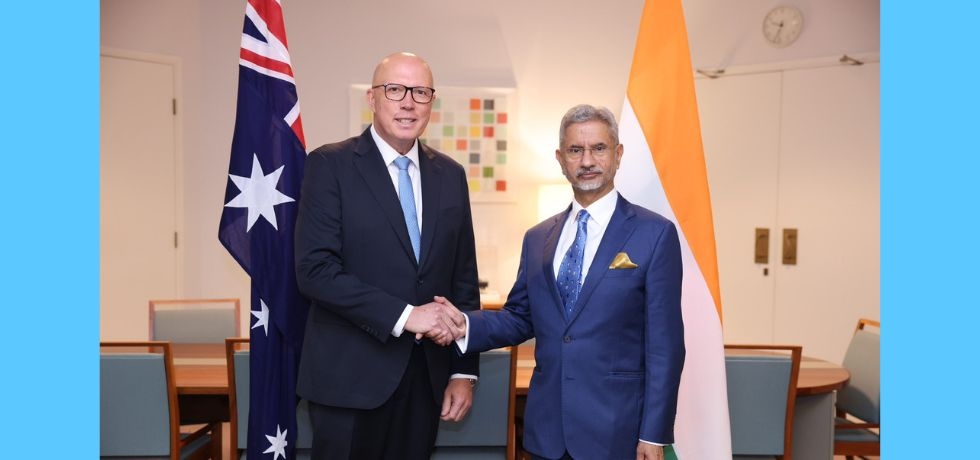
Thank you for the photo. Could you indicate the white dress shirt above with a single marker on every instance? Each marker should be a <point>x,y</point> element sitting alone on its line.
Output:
<point>600,213</point>
<point>389,155</point>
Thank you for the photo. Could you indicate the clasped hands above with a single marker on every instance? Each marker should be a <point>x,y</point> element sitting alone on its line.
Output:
<point>439,320</point>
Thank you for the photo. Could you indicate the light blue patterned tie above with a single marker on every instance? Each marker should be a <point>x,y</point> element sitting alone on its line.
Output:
<point>570,270</point>
<point>407,198</point>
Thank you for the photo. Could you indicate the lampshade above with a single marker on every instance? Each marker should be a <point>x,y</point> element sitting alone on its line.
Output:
<point>552,199</point>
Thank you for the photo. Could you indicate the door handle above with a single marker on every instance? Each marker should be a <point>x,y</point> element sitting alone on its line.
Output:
<point>789,246</point>
<point>762,245</point>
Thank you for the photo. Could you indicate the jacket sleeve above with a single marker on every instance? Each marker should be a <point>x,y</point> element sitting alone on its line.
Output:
<point>664,332</point>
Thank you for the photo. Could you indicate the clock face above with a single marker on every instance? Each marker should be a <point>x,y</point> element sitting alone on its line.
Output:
<point>782,26</point>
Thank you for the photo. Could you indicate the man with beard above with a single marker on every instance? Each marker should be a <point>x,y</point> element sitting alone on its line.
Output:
<point>599,287</point>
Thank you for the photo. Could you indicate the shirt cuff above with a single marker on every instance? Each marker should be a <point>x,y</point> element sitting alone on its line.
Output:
<point>464,341</point>
<point>400,325</point>
<point>654,443</point>
<point>463,376</point>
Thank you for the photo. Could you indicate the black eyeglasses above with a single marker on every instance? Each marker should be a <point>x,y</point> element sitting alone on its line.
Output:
<point>576,152</point>
<point>397,92</point>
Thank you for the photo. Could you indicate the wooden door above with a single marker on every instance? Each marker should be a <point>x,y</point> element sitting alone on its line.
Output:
<point>138,206</point>
<point>795,149</point>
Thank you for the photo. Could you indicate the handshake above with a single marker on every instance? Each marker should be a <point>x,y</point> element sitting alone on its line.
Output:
<point>440,321</point>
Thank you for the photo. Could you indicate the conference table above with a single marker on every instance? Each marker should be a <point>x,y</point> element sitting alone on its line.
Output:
<point>201,376</point>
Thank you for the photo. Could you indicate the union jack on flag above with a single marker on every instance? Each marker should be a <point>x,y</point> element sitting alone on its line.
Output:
<point>264,174</point>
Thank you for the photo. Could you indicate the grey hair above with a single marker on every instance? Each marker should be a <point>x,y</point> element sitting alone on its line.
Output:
<point>583,113</point>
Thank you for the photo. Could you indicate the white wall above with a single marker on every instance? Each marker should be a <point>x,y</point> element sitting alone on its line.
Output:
<point>557,53</point>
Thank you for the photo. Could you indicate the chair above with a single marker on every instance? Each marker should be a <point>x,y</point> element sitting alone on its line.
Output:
<point>487,432</point>
<point>761,397</point>
<point>237,354</point>
<point>139,414</point>
<point>857,426</point>
<point>195,320</point>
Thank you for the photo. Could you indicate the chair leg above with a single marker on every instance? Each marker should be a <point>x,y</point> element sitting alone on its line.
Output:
<point>216,444</point>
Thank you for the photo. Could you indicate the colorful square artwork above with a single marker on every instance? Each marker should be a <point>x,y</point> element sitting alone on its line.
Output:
<point>468,124</point>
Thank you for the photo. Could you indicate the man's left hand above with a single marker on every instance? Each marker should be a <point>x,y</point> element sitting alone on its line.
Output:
<point>647,451</point>
<point>457,401</point>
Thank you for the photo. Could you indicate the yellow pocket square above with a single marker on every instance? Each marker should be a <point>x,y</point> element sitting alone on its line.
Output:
<point>622,261</point>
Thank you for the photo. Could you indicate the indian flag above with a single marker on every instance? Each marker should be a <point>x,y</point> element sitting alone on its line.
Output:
<point>663,170</point>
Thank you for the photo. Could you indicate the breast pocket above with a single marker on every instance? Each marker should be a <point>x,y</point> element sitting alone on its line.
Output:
<point>623,272</point>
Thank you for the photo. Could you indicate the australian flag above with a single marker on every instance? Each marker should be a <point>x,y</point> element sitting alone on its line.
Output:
<point>264,174</point>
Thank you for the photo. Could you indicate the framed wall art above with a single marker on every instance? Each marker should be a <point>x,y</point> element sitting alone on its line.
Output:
<point>470,124</point>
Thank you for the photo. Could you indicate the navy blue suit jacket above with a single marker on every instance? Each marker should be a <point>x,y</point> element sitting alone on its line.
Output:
<point>354,261</point>
<point>609,375</point>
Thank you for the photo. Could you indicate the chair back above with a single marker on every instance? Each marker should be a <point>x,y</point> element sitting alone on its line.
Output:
<point>761,397</point>
<point>137,400</point>
<point>861,396</point>
<point>195,320</point>
<point>304,431</point>
<point>237,356</point>
<point>486,432</point>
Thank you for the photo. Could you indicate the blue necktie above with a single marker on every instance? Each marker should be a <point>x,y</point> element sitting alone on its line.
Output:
<point>407,198</point>
<point>570,270</point>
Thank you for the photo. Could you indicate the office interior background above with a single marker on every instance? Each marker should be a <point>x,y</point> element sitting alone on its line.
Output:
<point>791,138</point>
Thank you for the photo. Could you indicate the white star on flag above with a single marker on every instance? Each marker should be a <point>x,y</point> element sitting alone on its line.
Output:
<point>262,317</point>
<point>278,444</point>
<point>259,194</point>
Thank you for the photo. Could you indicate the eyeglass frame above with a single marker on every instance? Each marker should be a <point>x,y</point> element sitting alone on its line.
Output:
<point>599,151</point>
<point>408,89</point>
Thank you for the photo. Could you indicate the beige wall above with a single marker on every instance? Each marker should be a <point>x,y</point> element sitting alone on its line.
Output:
<point>555,52</point>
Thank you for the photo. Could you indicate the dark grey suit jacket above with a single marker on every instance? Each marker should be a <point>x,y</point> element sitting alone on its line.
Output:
<point>355,263</point>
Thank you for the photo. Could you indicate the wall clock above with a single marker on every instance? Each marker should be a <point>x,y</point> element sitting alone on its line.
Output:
<point>782,26</point>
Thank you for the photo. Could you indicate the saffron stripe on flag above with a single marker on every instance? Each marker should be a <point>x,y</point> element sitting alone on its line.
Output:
<point>663,169</point>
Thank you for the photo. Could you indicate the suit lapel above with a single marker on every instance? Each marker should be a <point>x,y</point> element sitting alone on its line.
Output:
<point>617,232</point>
<point>431,178</point>
<point>372,169</point>
<point>548,258</point>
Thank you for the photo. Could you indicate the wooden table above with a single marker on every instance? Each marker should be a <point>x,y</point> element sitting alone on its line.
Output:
<point>813,419</point>
<point>200,368</point>
<point>201,375</point>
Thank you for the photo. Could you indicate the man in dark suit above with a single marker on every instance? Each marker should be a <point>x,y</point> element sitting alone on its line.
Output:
<point>599,287</point>
<point>384,226</point>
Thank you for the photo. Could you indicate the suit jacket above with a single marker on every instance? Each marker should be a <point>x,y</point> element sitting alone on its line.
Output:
<point>354,261</point>
<point>609,375</point>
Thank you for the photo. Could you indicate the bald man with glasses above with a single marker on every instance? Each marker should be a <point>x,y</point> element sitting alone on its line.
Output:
<point>384,227</point>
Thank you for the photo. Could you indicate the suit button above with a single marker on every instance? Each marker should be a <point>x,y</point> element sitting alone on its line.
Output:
<point>568,339</point>
<point>421,281</point>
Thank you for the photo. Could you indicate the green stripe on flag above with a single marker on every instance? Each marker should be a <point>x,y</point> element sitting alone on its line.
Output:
<point>669,453</point>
